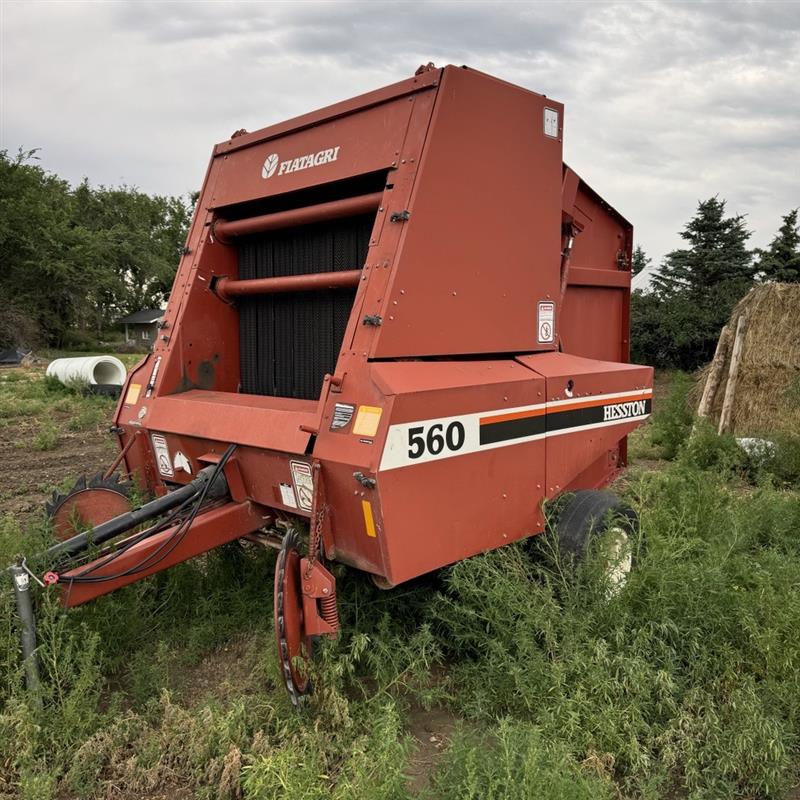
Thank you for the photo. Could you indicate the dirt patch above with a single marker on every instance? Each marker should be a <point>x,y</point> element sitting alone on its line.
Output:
<point>30,475</point>
<point>225,673</point>
<point>432,731</point>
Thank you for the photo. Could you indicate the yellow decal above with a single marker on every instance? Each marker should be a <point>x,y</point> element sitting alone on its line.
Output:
<point>369,522</point>
<point>133,393</point>
<point>367,420</point>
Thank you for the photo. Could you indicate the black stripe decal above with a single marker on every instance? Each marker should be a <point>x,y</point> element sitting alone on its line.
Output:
<point>492,432</point>
<point>608,412</point>
<point>506,430</point>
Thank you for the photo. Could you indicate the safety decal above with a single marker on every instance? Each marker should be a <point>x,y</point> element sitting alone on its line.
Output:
<point>132,395</point>
<point>303,483</point>
<point>287,495</point>
<point>163,460</point>
<point>342,414</point>
<point>546,320</point>
<point>551,122</point>
<point>433,439</point>
<point>367,420</point>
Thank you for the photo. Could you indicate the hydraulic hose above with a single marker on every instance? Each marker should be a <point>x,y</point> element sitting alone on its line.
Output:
<point>155,508</point>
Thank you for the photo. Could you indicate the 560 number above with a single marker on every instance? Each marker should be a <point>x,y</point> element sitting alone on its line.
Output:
<point>435,439</point>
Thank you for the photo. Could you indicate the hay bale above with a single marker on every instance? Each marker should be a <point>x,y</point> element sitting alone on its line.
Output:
<point>768,390</point>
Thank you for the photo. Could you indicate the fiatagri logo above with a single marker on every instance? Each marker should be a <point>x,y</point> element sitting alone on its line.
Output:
<point>273,163</point>
<point>633,408</point>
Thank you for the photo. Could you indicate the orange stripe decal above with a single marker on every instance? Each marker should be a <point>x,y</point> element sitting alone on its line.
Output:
<point>536,412</point>
<point>590,402</point>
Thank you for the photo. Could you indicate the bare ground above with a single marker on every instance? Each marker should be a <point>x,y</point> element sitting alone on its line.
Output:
<point>30,475</point>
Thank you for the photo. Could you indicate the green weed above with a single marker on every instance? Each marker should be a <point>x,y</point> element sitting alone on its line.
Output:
<point>88,415</point>
<point>47,436</point>
<point>672,422</point>
<point>514,760</point>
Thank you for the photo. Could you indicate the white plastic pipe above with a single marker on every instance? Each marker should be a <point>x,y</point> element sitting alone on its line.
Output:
<point>89,369</point>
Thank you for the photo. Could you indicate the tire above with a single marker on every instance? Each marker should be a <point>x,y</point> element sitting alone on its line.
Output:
<point>591,518</point>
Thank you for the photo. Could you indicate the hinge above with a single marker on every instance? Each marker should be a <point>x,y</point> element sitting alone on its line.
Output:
<point>400,216</point>
<point>373,319</point>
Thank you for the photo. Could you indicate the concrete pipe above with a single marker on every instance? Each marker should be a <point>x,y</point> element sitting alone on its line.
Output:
<point>93,370</point>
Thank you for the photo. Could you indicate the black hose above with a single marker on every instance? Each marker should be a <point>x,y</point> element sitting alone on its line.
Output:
<point>213,473</point>
<point>124,522</point>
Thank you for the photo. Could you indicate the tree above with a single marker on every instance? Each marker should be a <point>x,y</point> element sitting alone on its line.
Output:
<point>717,253</point>
<point>694,291</point>
<point>75,259</point>
<point>780,262</point>
<point>640,260</point>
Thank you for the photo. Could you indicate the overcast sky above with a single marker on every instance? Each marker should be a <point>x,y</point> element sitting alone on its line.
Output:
<point>666,103</point>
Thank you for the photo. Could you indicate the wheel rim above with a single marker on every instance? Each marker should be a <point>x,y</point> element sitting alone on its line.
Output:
<point>617,559</point>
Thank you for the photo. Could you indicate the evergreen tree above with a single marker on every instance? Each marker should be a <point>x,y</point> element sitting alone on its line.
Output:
<point>717,254</point>
<point>780,262</point>
<point>640,260</point>
<point>694,290</point>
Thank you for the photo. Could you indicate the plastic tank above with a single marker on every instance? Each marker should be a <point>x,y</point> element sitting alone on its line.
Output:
<point>94,370</point>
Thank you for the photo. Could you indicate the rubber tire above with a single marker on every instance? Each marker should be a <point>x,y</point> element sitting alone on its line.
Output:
<point>586,515</point>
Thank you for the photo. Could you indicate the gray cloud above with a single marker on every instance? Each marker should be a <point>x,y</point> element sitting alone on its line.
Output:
<point>666,103</point>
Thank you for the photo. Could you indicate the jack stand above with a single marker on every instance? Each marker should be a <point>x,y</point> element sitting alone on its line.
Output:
<point>22,594</point>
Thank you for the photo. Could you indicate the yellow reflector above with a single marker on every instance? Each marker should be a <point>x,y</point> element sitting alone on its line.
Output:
<point>369,522</point>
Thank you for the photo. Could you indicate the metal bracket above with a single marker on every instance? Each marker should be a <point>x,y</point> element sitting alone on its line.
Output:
<point>373,319</point>
<point>367,482</point>
<point>400,216</point>
<point>320,615</point>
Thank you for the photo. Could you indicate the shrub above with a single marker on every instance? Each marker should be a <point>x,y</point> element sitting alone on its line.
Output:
<point>706,449</point>
<point>782,461</point>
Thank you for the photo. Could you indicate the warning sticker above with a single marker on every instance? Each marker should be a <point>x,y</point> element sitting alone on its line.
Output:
<point>546,322</point>
<point>132,394</point>
<point>551,122</point>
<point>287,496</point>
<point>367,420</point>
<point>162,455</point>
<point>303,483</point>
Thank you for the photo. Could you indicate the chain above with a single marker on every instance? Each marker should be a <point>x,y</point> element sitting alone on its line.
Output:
<point>315,540</point>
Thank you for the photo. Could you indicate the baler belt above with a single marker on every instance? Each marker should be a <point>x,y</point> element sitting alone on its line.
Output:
<point>289,341</point>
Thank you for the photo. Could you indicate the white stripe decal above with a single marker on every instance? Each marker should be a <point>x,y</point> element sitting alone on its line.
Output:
<point>644,394</point>
<point>593,425</point>
<point>435,439</point>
